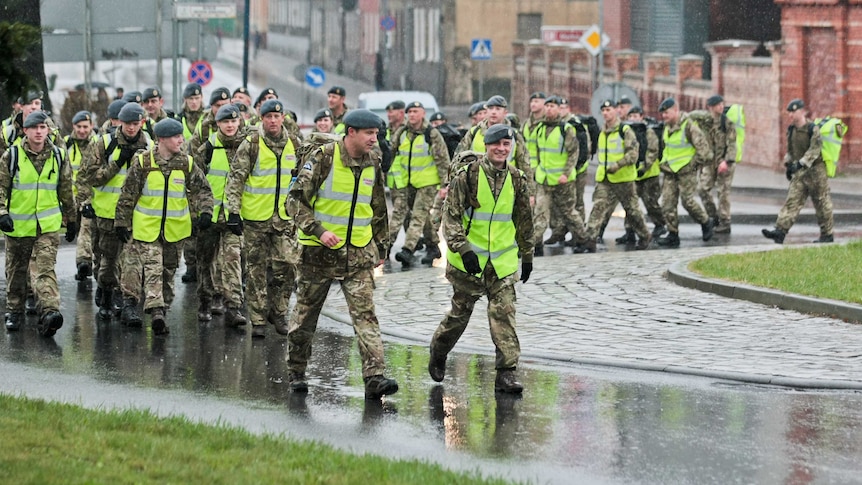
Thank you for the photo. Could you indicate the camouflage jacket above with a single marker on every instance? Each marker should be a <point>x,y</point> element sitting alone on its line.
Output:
<point>96,170</point>
<point>723,142</point>
<point>630,143</point>
<point>693,133</point>
<point>299,206</point>
<point>438,146</point>
<point>64,186</point>
<point>198,190</point>
<point>463,195</point>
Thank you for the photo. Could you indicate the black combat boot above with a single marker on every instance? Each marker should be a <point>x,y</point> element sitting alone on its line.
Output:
<point>217,307</point>
<point>431,254</point>
<point>233,317</point>
<point>379,386</point>
<point>106,308</point>
<point>643,243</point>
<point>406,257</point>
<point>507,382</point>
<point>191,275</point>
<point>50,322</point>
<point>204,310</point>
<point>588,246</point>
<point>437,366</point>
<point>723,227</point>
<point>30,306</point>
<point>776,235</point>
<point>707,229</point>
<point>538,250</point>
<point>129,315</point>
<point>157,316</point>
<point>14,321</point>
<point>658,230</point>
<point>85,270</point>
<point>555,238</point>
<point>824,238</point>
<point>628,238</point>
<point>296,382</point>
<point>278,321</point>
<point>669,241</point>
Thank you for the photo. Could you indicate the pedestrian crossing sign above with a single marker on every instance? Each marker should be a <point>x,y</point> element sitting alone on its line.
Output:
<point>480,49</point>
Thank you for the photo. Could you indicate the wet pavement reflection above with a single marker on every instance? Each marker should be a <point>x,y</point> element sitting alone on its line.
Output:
<point>573,424</point>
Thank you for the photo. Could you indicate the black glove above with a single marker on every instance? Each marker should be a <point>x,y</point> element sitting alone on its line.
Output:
<point>792,168</point>
<point>205,220</point>
<point>6,224</point>
<point>641,172</point>
<point>126,154</point>
<point>88,212</point>
<point>71,231</point>
<point>234,224</point>
<point>471,262</point>
<point>526,269</point>
<point>123,234</point>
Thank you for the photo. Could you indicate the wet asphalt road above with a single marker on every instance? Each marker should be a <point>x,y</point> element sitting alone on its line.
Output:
<point>573,424</point>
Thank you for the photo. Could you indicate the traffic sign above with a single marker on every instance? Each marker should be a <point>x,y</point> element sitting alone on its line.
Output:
<point>480,49</point>
<point>194,11</point>
<point>200,72</point>
<point>315,76</point>
<point>594,40</point>
<point>387,23</point>
<point>563,33</point>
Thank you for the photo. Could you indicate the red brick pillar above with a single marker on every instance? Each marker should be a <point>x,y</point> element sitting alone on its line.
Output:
<point>655,64</point>
<point>625,61</point>
<point>725,49</point>
<point>688,67</point>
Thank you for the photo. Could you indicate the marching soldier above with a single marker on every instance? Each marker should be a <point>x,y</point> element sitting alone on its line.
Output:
<point>79,145</point>
<point>342,239</point>
<point>163,194</point>
<point>335,98</point>
<point>110,125</point>
<point>192,113</point>
<point>488,224</point>
<point>35,199</point>
<point>648,183</point>
<point>152,102</point>
<point>718,172</point>
<point>323,121</point>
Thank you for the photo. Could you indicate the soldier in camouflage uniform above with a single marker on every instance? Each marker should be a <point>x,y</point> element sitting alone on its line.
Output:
<point>487,212</point>
<point>289,116</point>
<point>80,145</point>
<point>718,172</point>
<point>35,199</point>
<point>255,196</point>
<point>152,102</point>
<point>494,112</point>
<point>341,240</point>
<point>219,248</point>
<point>685,146</point>
<point>99,184</point>
<point>423,161</point>
<point>806,171</point>
<point>335,99</point>
<point>192,113</point>
<point>648,183</point>
<point>110,125</point>
<point>163,196</point>
<point>13,129</point>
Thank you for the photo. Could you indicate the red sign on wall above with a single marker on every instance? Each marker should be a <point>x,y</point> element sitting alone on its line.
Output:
<point>563,33</point>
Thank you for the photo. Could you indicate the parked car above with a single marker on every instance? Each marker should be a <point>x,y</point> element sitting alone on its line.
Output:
<point>377,101</point>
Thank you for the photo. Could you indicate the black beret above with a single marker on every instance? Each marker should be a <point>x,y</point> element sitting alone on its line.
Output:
<point>191,89</point>
<point>476,108</point>
<point>795,105</point>
<point>132,97</point>
<point>324,113</point>
<point>81,116</point>
<point>553,100</point>
<point>151,93</point>
<point>667,104</point>
<point>624,100</point>
<point>167,128</point>
<point>564,101</point>
<point>361,119</point>
<point>538,95</point>
<point>227,112</point>
<point>438,116</point>
<point>499,132</point>
<point>398,104</point>
<point>220,94</point>
<point>496,100</point>
<point>30,97</point>
<point>263,94</point>
<point>242,107</point>
<point>132,112</point>
<point>115,107</point>
<point>608,103</point>
<point>241,90</point>
<point>337,90</point>
<point>416,105</point>
<point>636,109</point>
<point>714,100</point>
<point>35,118</point>
<point>271,106</point>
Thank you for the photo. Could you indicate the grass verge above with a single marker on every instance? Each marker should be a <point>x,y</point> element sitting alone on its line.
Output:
<point>826,271</point>
<point>47,442</point>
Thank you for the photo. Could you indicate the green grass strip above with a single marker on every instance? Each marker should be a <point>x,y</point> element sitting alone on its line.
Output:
<point>824,271</point>
<point>44,442</point>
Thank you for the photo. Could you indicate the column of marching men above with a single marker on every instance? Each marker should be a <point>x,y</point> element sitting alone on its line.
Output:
<point>260,212</point>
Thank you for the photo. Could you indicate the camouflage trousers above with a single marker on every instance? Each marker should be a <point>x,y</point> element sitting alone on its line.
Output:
<point>501,314</point>
<point>649,191</point>
<point>681,185</point>
<point>219,264</point>
<point>563,197</point>
<point>311,293</point>
<point>189,250</point>
<point>151,266</point>
<point>84,245</point>
<point>809,182</point>
<point>400,209</point>
<point>268,250</point>
<point>558,226</point>
<point>106,244</point>
<point>711,179</point>
<point>605,198</point>
<point>420,213</point>
<point>431,231</point>
<point>37,255</point>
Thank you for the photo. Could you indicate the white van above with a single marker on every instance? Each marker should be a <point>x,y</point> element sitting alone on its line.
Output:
<point>377,101</point>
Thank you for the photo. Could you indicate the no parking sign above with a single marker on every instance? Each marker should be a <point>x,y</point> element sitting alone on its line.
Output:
<point>200,72</point>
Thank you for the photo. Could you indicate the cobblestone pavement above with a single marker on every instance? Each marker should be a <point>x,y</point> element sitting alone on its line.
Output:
<point>618,309</point>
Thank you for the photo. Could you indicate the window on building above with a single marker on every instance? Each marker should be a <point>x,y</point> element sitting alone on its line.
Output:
<point>529,26</point>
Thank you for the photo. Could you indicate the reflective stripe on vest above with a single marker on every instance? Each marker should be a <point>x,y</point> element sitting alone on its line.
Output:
<point>217,174</point>
<point>267,184</point>
<point>612,150</point>
<point>162,206</point>
<point>416,162</point>
<point>492,232</point>
<point>552,155</point>
<point>33,201</point>
<point>105,197</point>
<point>678,150</point>
<point>343,205</point>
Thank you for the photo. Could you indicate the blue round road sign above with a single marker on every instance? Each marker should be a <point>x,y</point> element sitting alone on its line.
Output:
<point>200,72</point>
<point>387,23</point>
<point>315,77</point>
